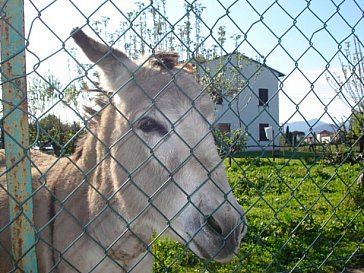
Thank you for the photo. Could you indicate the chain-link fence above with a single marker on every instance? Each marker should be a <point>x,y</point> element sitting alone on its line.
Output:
<point>214,136</point>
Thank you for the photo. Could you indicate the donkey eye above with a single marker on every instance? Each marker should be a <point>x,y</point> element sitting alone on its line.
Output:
<point>148,125</point>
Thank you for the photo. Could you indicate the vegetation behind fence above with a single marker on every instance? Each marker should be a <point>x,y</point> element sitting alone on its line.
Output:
<point>287,84</point>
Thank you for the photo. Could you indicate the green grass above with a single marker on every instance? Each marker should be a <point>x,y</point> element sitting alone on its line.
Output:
<point>302,217</point>
<point>278,154</point>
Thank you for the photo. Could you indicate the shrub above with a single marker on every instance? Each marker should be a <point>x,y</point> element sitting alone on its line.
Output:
<point>229,143</point>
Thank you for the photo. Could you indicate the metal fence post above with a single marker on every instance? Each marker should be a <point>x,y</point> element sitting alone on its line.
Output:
<point>15,125</point>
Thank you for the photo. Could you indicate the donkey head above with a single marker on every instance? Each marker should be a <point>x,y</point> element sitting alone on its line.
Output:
<point>166,169</point>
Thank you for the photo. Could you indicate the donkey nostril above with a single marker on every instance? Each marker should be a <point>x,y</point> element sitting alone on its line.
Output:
<point>212,223</point>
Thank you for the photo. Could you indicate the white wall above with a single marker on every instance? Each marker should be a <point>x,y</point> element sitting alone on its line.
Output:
<point>247,106</point>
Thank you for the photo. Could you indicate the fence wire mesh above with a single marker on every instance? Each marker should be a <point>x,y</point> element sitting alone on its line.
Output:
<point>256,133</point>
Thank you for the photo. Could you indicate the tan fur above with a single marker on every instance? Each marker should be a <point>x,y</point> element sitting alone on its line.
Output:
<point>113,193</point>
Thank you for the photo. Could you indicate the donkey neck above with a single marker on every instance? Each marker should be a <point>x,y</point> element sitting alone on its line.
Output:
<point>94,156</point>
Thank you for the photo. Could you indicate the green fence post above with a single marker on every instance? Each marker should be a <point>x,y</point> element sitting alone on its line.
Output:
<point>15,125</point>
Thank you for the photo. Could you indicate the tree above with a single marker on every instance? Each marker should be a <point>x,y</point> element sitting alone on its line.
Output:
<point>51,131</point>
<point>42,90</point>
<point>46,90</point>
<point>357,129</point>
<point>349,85</point>
<point>287,135</point>
<point>223,78</point>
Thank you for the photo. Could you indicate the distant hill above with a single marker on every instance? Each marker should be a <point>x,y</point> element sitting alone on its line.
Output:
<point>316,125</point>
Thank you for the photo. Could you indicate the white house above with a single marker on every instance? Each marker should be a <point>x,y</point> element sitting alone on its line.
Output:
<point>246,94</point>
<point>325,136</point>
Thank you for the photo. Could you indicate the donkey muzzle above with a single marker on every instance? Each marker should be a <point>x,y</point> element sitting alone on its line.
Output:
<point>218,232</point>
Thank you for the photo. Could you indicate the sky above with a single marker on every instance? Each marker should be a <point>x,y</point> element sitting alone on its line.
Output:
<point>299,38</point>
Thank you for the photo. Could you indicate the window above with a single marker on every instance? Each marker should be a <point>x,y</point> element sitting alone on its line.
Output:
<point>262,135</point>
<point>216,97</point>
<point>263,96</point>
<point>223,127</point>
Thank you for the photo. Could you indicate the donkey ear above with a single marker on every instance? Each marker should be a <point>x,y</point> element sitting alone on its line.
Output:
<point>107,58</point>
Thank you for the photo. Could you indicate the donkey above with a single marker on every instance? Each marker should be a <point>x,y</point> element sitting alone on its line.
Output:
<point>147,165</point>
